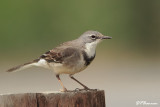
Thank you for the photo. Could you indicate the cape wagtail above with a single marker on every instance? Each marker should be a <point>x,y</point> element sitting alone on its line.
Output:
<point>68,58</point>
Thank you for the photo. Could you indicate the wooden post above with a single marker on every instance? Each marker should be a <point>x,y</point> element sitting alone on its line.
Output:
<point>83,98</point>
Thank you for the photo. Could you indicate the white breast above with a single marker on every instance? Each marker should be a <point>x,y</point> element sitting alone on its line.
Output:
<point>90,48</point>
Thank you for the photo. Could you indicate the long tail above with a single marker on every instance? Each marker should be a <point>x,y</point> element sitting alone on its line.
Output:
<point>23,66</point>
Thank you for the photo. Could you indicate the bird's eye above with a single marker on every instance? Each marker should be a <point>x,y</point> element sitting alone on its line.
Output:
<point>93,36</point>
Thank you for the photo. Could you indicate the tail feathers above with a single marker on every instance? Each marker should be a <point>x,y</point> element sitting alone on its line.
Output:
<point>23,66</point>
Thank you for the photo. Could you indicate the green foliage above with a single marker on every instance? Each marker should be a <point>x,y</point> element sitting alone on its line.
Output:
<point>41,24</point>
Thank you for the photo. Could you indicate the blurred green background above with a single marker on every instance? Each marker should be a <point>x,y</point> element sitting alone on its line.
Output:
<point>33,26</point>
<point>129,63</point>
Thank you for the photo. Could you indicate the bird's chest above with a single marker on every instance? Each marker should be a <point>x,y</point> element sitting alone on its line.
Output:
<point>71,67</point>
<point>88,59</point>
<point>90,49</point>
<point>89,53</point>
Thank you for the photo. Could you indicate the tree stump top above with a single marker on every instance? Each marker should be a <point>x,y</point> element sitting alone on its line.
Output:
<point>91,98</point>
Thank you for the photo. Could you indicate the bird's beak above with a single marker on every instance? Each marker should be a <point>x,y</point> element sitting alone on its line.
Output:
<point>106,37</point>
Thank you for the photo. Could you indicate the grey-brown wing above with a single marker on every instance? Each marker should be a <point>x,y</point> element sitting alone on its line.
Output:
<point>61,55</point>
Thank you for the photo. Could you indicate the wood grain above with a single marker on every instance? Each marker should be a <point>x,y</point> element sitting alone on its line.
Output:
<point>92,98</point>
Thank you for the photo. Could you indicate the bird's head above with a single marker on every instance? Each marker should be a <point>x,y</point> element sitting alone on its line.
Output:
<point>90,39</point>
<point>93,37</point>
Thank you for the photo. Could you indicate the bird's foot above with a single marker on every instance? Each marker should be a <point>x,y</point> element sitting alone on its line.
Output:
<point>63,90</point>
<point>88,89</point>
<point>93,89</point>
<point>78,89</point>
<point>85,89</point>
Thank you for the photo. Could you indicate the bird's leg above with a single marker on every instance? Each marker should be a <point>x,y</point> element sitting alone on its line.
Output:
<point>64,89</point>
<point>85,87</point>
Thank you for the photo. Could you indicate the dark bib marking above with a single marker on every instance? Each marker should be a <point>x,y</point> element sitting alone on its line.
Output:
<point>87,59</point>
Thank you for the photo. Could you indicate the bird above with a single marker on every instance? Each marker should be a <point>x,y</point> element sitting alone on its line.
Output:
<point>69,57</point>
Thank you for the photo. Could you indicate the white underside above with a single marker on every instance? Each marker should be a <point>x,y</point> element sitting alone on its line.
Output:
<point>68,69</point>
<point>42,63</point>
<point>59,68</point>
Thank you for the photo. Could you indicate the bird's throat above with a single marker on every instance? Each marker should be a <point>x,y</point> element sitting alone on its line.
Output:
<point>90,49</point>
<point>89,52</point>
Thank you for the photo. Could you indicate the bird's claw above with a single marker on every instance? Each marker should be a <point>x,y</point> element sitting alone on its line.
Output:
<point>63,90</point>
<point>85,89</point>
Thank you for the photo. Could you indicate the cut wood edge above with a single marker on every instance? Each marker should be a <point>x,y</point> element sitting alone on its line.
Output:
<point>54,98</point>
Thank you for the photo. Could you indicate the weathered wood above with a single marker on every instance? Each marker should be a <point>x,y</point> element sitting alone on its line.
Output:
<point>83,98</point>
